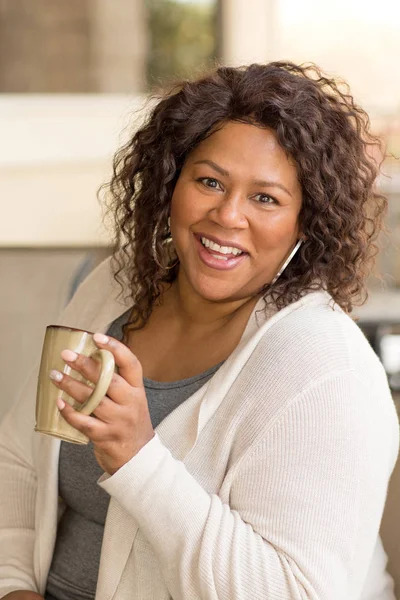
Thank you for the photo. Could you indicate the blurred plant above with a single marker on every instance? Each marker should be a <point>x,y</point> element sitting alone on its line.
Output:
<point>183,38</point>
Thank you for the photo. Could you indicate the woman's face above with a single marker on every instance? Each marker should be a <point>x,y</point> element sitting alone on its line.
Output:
<point>235,212</point>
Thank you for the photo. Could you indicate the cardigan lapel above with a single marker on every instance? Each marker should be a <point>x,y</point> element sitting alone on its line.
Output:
<point>119,535</point>
<point>47,506</point>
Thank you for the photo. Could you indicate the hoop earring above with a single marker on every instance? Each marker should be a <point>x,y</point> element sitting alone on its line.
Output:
<point>167,241</point>
<point>287,261</point>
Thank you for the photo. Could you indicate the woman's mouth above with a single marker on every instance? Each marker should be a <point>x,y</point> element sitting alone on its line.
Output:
<point>218,257</point>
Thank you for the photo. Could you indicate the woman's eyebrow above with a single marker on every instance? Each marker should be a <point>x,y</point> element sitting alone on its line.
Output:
<point>214,166</point>
<point>225,173</point>
<point>276,184</point>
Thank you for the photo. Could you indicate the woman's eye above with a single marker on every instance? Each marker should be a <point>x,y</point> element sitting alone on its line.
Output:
<point>265,199</point>
<point>210,182</point>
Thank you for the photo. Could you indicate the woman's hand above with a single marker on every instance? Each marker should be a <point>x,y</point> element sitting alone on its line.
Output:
<point>22,595</point>
<point>121,424</point>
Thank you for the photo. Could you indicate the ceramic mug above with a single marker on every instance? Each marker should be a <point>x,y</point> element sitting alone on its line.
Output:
<point>49,420</point>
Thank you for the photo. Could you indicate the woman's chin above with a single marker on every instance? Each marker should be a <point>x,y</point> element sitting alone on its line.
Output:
<point>212,290</point>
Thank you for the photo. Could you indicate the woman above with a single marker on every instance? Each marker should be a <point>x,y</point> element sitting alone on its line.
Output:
<point>244,449</point>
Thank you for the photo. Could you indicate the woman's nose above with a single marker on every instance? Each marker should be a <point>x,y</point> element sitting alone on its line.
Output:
<point>230,212</point>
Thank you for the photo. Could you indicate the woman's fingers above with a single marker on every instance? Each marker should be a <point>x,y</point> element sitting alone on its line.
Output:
<point>81,392</point>
<point>76,389</point>
<point>94,429</point>
<point>119,389</point>
<point>87,366</point>
<point>128,365</point>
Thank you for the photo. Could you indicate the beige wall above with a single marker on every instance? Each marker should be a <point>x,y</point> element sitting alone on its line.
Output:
<point>73,46</point>
<point>36,38</point>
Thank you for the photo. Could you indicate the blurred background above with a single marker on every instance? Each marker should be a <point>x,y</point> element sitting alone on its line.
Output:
<point>73,76</point>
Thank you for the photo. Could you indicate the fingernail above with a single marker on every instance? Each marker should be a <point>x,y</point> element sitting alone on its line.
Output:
<point>56,375</point>
<point>69,355</point>
<point>60,403</point>
<point>100,338</point>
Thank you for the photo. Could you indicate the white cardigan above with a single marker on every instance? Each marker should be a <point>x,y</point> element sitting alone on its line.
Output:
<point>268,483</point>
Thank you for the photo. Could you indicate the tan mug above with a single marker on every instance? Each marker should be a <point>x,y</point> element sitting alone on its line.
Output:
<point>49,420</point>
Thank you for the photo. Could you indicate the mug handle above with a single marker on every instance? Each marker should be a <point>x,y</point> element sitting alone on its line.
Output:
<point>101,387</point>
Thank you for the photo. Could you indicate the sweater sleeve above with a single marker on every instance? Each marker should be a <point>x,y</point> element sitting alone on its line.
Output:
<point>304,510</point>
<point>17,500</point>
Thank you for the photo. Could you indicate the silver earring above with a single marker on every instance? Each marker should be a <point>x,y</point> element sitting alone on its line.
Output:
<point>168,239</point>
<point>167,243</point>
<point>287,261</point>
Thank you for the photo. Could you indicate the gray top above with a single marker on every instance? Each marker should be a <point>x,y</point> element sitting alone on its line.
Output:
<point>74,569</point>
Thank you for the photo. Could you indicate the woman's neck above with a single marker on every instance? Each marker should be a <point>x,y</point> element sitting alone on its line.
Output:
<point>192,312</point>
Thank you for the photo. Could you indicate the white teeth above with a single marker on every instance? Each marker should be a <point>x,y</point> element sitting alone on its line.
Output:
<point>222,249</point>
<point>219,257</point>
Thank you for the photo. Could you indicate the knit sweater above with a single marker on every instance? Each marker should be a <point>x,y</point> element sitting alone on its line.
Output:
<point>268,483</point>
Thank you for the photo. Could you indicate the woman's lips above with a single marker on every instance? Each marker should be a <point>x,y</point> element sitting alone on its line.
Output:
<point>221,264</point>
<point>221,242</point>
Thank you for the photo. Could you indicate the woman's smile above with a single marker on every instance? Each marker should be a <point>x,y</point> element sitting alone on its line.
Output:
<point>216,256</point>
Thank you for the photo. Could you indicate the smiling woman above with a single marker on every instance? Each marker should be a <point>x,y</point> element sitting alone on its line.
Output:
<point>244,448</point>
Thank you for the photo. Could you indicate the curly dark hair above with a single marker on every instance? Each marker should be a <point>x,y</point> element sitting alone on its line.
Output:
<point>317,123</point>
